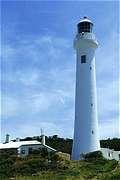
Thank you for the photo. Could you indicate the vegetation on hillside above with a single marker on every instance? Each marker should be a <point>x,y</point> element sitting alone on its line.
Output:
<point>96,155</point>
<point>65,145</point>
<point>41,165</point>
<point>111,143</point>
<point>60,144</point>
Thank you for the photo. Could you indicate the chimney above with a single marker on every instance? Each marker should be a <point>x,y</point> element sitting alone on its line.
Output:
<point>43,137</point>
<point>17,139</point>
<point>7,139</point>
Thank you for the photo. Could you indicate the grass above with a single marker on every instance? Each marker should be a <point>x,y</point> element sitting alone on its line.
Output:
<point>79,170</point>
<point>36,167</point>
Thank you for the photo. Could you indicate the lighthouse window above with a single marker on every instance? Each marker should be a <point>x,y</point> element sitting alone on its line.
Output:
<point>83,59</point>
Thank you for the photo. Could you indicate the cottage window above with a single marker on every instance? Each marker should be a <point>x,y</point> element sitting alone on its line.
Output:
<point>109,154</point>
<point>23,151</point>
<point>30,150</point>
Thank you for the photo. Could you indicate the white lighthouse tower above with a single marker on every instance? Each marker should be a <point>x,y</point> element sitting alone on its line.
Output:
<point>86,138</point>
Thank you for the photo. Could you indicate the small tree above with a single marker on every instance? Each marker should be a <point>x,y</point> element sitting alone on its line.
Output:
<point>44,153</point>
<point>96,155</point>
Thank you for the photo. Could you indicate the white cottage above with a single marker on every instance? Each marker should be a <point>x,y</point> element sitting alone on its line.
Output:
<point>111,154</point>
<point>24,148</point>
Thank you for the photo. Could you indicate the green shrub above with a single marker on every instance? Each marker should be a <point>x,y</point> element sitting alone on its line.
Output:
<point>42,152</point>
<point>36,152</point>
<point>96,155</point>
<point>56,157</point>
<point>59,161</point>
<point>6,167</point>
<point>111,164</point>
<point>30,167</point>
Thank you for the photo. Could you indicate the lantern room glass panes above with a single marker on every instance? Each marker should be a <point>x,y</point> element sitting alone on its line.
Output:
<point>85,27</point>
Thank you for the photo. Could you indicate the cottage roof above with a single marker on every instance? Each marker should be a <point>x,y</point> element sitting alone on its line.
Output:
<point>16,145</point>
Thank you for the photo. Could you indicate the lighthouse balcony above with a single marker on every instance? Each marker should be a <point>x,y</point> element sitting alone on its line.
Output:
<point>85,36</point>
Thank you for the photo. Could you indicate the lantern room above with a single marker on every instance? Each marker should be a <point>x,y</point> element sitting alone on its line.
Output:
<point>85,25</point>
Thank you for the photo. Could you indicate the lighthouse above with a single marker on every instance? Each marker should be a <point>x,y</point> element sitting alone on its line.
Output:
<point>86,136</point>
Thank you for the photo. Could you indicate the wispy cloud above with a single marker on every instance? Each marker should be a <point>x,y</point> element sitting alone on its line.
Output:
<point>53,88</point>
<point>38,76</point>
<point>40,91</point>
<point>109,129</point>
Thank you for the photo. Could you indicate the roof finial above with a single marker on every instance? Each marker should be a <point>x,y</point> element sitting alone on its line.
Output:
<point>85,17</point>
<point>42,131</point>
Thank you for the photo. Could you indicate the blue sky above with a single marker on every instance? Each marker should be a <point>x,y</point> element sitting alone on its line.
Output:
<point>38,66</point>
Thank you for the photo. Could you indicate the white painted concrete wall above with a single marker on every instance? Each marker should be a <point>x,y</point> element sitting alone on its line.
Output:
<point>86,138</point>
<point>110,154</point>
<point>25,149</point>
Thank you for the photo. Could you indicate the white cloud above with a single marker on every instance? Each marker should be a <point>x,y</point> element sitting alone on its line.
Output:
<point>107,57</point>
<point>42,101</point>
<point>10,106</point>
<point>28,77</point>
<point>109,129</point>
<point>34,129</point>
<point>46,81</point>
<point>108,97</point>
<point>107,67</point>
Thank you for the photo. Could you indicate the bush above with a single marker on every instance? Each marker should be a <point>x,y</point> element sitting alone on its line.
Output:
<point>30,167</point>
<point>36,152</point>
<point>43,153</point>
<point>55,157</point>
<point>96,155</point>
<point>111,164</point>
<point>58,156</point>
<point>59,161</point>
<point>6,167</point>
